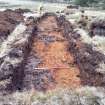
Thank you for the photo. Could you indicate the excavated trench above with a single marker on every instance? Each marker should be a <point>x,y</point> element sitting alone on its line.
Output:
<point>97,27</point>
<point>50,60</point>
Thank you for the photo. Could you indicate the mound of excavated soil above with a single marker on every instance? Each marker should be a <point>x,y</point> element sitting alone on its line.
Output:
<point>8,21</point>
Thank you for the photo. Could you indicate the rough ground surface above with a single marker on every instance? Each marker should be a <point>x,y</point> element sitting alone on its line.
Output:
<point>44,54</point>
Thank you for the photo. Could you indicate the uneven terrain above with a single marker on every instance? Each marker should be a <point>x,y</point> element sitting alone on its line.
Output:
<point>47,55</point>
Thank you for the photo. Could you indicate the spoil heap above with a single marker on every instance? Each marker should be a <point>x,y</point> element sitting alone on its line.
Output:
<point>8,21</point>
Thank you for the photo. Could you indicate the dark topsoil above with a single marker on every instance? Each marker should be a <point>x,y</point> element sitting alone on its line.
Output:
<point>8,21</point>
<point>85,57</point>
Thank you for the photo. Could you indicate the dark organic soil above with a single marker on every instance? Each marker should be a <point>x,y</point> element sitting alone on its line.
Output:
<point>8,21</point>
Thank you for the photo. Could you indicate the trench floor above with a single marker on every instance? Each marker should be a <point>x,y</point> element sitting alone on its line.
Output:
<point>52,48</point>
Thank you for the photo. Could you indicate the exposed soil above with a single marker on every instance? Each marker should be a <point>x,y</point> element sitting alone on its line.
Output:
<point>51,48</point>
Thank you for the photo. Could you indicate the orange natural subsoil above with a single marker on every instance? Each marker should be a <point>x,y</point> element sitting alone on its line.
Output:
<point>55,55</point>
